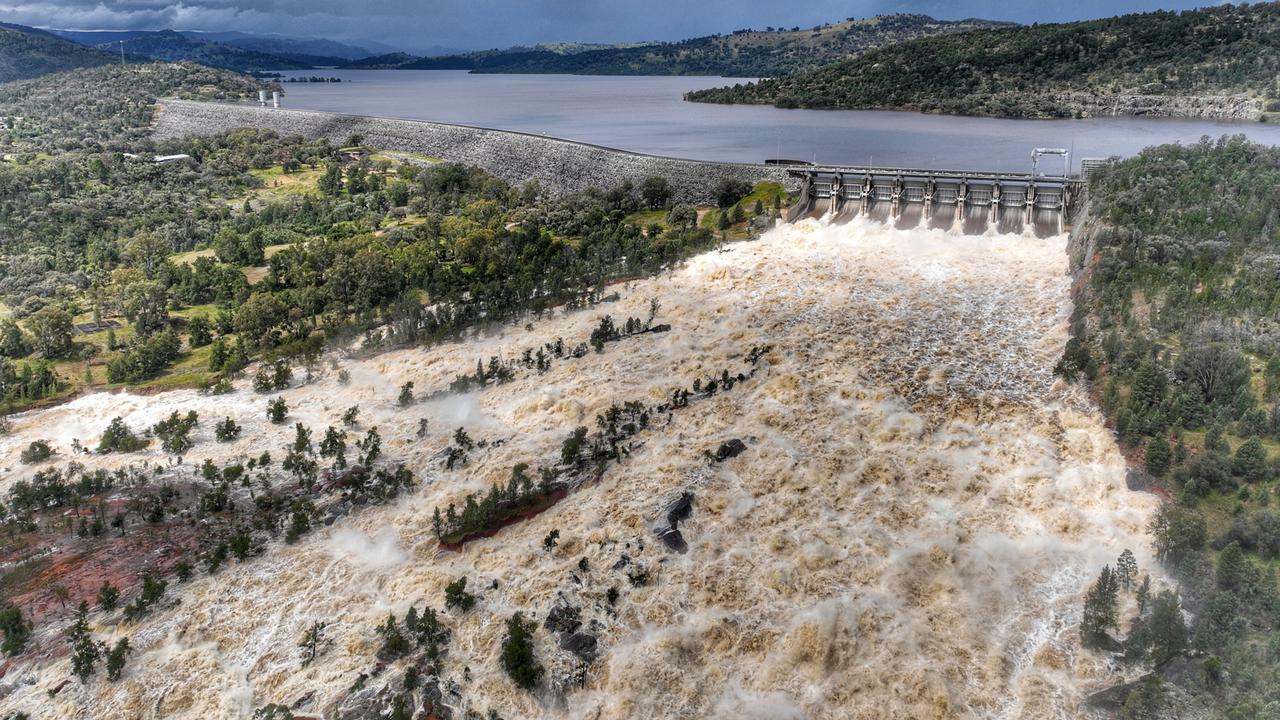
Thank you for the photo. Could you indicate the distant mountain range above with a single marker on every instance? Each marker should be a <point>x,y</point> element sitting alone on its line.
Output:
<point>26,53</point>
<point>743,53</point>
<point>304,51</point>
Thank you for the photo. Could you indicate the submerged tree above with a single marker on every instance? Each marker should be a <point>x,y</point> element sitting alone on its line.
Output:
<point>518,659</point>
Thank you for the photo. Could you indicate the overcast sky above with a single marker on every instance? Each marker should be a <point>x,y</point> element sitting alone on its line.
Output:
<point>471,24</point>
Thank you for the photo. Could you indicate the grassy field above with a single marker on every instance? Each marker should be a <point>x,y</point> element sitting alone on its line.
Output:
<point>279,185</point>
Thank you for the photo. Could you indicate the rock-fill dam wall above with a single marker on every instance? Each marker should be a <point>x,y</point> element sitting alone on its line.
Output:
<point>559,166</point>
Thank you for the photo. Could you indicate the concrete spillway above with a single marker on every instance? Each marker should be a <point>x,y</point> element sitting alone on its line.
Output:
<point>972,201</point>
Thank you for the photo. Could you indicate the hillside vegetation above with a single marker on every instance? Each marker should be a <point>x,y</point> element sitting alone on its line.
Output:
<point>743,53</point>
<point>1024,71</point>
<point>32,54</point>
<point>1179,262</point>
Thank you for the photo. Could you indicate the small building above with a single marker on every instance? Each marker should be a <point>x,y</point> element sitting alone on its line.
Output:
<point>162,159</point>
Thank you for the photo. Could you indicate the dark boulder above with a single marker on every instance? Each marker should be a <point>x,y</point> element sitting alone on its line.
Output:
<point>563,618</point>
<point>729,449</point>
<point>681,509</point>
<point>669,532</point>
<point>673,539</point>
<point>581,644</point>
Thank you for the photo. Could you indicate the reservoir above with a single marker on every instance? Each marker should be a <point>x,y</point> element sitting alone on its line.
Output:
<point>648,114</point>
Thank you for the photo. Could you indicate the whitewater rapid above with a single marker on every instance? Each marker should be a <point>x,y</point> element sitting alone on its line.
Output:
<point>909,533</point>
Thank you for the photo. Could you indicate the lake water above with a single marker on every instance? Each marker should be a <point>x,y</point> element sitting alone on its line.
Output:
<point>648,114</point>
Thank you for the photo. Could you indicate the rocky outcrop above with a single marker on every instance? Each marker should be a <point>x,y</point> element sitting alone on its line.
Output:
<point>1210,107</point>
<point>566,621</point>
<point>730,449</point>
<point>669,532</point>
<point>559,166</point>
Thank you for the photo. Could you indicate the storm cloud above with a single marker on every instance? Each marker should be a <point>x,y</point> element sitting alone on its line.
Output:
<point>473,24</point>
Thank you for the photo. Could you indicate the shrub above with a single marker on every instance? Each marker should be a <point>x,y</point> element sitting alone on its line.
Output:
<point>227,430</point>
<point>118,437</point>
<point>456,595</point>
<point>37,451</point>
<point>175,432</point>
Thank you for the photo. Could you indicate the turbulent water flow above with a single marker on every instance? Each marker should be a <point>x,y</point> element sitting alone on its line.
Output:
<point>908,534</point>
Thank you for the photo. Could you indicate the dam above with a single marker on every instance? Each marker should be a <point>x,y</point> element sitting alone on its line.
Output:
<point>971,201</point>
<point>958,199</point>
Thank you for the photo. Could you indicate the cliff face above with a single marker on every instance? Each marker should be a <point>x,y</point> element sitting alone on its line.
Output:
<point>559,166</point>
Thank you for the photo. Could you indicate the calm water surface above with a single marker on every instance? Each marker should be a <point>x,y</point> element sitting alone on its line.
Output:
<point>647,114</point>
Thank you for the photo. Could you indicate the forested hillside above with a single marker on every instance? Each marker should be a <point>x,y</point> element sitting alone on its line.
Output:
<point>266,244</point>
<point>1025,71</point>
<point>28,53</point>
<point>743,53</point>
<point>1179,265</point>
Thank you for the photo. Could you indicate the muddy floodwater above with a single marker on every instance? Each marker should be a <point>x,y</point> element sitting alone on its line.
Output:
<point>909,532</point>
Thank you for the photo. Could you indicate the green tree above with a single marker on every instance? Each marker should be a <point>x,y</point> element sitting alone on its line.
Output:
<point>1126,571</point>
<point>146,306</point>
<point>655,191</point>
<point>85,651</point>
<point>1144,594</point>
<point>13,342</point>
<point>16,627</point>
<point>51,331</point>
<point>331,182</point>
<point>1101,610</point>
<point>277,410</point>
<point>394,644</point>
<point>227,430</point>
<point>118,437</point>
<point>1233,569</point>
<point>1157,455</point>
<point>1167,630</point>
<point>258,317</point>
<point>116,659</point>
<point>313,642</point>
<point>199,331</point>
<point>518,658</point>
<point>148,252</point>
<point>1178,532</point>
<point>1250,461</point>
<point>108,596</point>
<point>406,395</point>
<point>456,595</point>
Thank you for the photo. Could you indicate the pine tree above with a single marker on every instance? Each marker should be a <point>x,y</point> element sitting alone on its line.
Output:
<point>1233,568</point>
<point>1101,610</point>
<point>1144,594</point>
<point>1168,631</point>
<point>313,642</point>
<point>108,596</point>
<point>116,659</point>
<point>1127,569</point>
<point>393,643</point>
<point>1250,461</point>
<point>1157,455</point>
<point>84,650</point>
<point>517,653</point>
